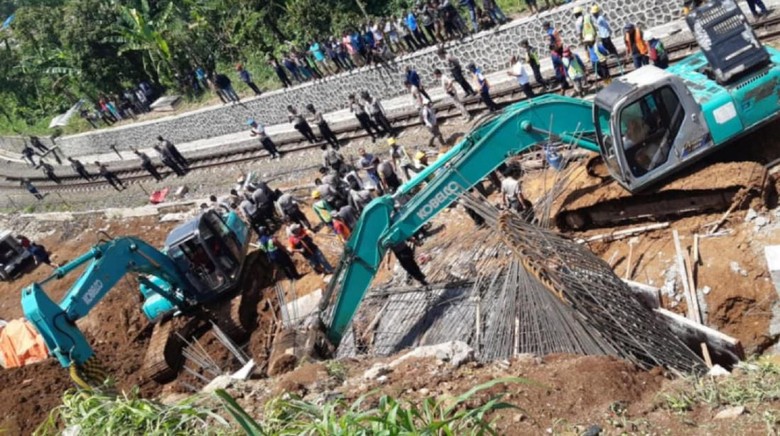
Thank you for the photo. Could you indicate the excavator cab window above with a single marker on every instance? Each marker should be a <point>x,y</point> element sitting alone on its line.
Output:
<point>226,247</point>
<point>604,134</point>
<point>648,127</point>
<point>201,267</point>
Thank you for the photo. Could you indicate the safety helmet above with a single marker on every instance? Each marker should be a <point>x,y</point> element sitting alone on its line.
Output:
<point>419,155</point>
<point>595,9</point>
<point>391,141</point>
<point>577,9</point>
<point>250,121</point>
<point>315,194</point>
<point>263,230</point>
<point>628,26</point>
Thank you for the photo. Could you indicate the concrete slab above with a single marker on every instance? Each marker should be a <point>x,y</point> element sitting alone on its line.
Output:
<point>304,306</point>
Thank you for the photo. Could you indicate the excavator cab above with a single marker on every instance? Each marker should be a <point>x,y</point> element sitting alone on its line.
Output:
<point>209,252</point>
<point>648,125</point>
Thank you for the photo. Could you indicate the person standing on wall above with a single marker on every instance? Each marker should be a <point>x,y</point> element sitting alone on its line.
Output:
<point>300,124</point>
<point>146,164</point>
<point>481,83</point>
<point>110,176</point>
<point>456,71</point>
<point>532,59</point>
<point>604,30</point>
<point>318,118</point>
<point>636,47</point>
<point>265,140</point>
<point>79,169</point>
<point>373,106</point>
<point>363,118</point>
<point>414,78</point>
<point>517,70</point>
<point>448,85</point>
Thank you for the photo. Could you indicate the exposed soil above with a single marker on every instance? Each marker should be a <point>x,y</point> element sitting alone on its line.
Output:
<point>557,394</point>
<point>581,389</point>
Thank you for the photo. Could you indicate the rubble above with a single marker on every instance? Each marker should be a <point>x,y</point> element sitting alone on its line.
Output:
<point>735,268</point>
<point>730,412</point>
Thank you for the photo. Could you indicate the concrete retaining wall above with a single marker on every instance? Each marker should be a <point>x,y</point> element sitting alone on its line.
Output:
<point>490,50</point>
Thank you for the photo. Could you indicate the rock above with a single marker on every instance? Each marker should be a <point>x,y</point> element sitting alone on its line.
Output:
<point>424,392</point>
<point>456,353</point>
<point>735,268</point>
<point>382,379</point>
<point>750,215</point>
<point>221,382</point>
<point>760,222</point>
<point>718,371</point>
<point>519,417</point>
<point>730,412</point>
<point>706,290</point>
<point>376,371</point>
<point>593,430</point>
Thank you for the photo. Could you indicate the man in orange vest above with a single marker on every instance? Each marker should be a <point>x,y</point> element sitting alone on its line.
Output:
<point>635,45</point>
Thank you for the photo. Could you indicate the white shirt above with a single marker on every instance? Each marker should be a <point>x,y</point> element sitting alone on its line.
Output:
<point>519,72</point>
<point>510,187</point>
<point>416,97</point>
<point>259,131</point>
<point>447,85</point>
<point>429,116</point>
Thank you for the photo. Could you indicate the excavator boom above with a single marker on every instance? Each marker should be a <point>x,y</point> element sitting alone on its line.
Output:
<point>107,264</point>
<point>518,128</point>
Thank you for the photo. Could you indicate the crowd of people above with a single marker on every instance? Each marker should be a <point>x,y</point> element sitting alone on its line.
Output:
<point>379,40</point>
<point>109,109</point>
<point>345,188</point>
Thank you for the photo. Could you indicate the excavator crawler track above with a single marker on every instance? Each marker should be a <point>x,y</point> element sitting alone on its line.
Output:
<point>164,358</point>
<point>595,202</point>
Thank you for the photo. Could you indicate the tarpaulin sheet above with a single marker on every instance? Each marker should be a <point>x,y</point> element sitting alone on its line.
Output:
<point>20,344</point>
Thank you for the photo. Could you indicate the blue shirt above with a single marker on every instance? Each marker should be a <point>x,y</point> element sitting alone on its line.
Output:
<point>357,41</point>
<point>411,22</point>
<point>413,78</point>
<point>317,52</point>
<point>369,38</point>
<point>602,27</point>
<point>244,76</point>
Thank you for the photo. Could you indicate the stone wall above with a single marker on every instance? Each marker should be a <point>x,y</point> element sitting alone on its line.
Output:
<point>490,50</point>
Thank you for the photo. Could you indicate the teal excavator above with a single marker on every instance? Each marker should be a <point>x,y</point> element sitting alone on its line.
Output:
<point>648,126</point>
<point>202,260</point>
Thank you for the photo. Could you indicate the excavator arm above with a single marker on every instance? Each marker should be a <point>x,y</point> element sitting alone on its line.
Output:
<point>518,128</point>
<point>106,263</point>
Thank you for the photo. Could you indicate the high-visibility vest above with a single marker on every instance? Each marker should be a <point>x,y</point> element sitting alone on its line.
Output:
<point>638,40</point>
<point>588,29</point>
<point>322,210</point>
<point>574,68</point>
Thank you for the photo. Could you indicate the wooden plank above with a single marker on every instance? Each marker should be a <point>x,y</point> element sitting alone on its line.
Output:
<point>620,234</point>
<point>705,351</point>
<point>723,349</point>
<point>692,283</point>
<point>681,270</point>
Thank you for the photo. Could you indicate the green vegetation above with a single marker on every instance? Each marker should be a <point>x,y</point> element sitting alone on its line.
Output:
<point>444,415</point>
<point>753,383</point>
<point>59,51</point>
<point>98,413</point>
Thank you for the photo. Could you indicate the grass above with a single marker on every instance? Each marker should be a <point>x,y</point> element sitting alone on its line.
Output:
<point>127,414</point>
<point>99,413</point>
<point>754,383</point>
<point>443,415</point>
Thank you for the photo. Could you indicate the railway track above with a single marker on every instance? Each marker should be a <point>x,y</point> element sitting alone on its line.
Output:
<point>766,30</point>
